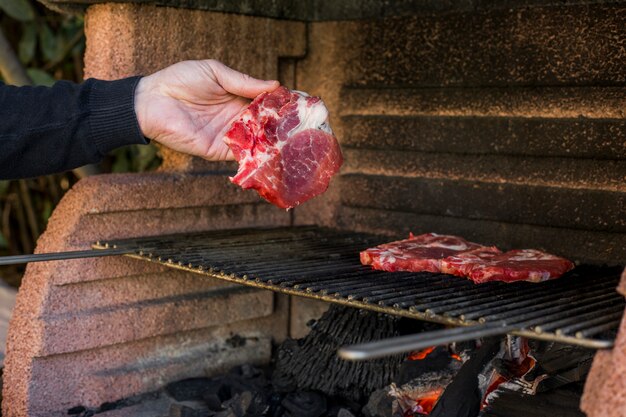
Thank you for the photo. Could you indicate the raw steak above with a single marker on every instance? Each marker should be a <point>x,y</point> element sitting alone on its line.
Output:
<point>417,253</point>
<point>285,148</point>
<point>462,264</point>
<point>520,265</point>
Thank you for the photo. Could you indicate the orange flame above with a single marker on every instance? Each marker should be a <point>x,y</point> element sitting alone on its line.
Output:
<point>424,405</point>
<point>420,354</point>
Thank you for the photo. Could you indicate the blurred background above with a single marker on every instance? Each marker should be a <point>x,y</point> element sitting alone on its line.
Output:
<point>40,47</point>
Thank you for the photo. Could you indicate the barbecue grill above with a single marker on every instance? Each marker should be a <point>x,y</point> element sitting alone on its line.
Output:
<point>581,308</point>
<point>501,122</point>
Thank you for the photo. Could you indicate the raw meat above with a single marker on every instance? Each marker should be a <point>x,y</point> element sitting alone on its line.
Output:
<point>285,148</point>
<point>462,264</point>
<point>453,255</point>
<point>520,265</point>
<point>417,253</point>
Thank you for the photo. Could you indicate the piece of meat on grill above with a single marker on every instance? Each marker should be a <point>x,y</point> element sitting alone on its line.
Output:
<point>285,147</point>
<point>417,253</point>
<point>462,264</point>
<point>520,265</point>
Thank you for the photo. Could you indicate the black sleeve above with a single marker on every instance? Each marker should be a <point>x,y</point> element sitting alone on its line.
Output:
<point>44,130</point>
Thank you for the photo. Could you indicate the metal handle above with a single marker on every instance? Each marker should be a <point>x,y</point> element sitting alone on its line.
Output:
<point>60,256</point>
<point>409,343</point>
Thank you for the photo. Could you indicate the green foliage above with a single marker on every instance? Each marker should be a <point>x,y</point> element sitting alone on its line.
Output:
<point>51,47</point>
<point>40,77</point>
<point>18,9</point>
<point>136,158</point>
<point>28,43</point>
<point>4,187</point>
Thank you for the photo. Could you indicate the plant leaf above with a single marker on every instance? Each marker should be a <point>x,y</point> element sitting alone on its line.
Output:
<point>40,77</point>
<point>145,157</point>
<point>4,187</point>
<point>122,161</point>
<point>47,42</point>
<point>3,242</point>
<point>26,47</point>
<point>47,210</point>
<point>18,9</point>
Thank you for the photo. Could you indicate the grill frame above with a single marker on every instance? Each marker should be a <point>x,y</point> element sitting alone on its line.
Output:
<point>339,278</point>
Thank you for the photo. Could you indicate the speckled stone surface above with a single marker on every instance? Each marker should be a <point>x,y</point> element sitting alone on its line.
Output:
<point>605,389</point>
<point>503,125</point>
<point>89,331</point>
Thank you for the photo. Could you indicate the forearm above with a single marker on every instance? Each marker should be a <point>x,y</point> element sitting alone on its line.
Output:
<point>46,130</point>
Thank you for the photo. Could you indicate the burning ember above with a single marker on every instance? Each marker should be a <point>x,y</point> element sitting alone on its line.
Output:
<point>434,368</point>
<point>516,363</point>
<point>431,370</point>
<point>420,354</point>
<point>415,406</point>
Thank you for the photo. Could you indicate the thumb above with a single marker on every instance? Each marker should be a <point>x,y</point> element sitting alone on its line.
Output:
<point>240,84</point>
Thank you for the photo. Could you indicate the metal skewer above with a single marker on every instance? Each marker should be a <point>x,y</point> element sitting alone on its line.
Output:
<point>409,343</point>
<point>60,256</point>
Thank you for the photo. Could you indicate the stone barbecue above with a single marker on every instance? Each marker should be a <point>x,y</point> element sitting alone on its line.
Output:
<point>502,122</point>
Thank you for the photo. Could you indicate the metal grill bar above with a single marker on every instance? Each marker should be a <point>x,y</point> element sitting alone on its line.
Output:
<point>581,308</point>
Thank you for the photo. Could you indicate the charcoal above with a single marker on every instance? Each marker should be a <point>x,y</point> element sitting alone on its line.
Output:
<point>248,371</point>
<point>227,413</point>
<point>182,410</point>
<point>245,378</point>
<point>213,401</point>
<point>305,404</point>
<point>344,412</point>
<point>562,402</point>
<point>379,404</point>
<point>215,393</point>
<point>245,404</point>
<point>462,397</point>
<point>275,407</point>
<point>311,363</point>
<point>564,364</point>
<point>187,389</point>
<point>438,360</point>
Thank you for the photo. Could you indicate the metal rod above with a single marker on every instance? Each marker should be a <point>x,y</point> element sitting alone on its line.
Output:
<point>61,256</point>
<point>402,344</point>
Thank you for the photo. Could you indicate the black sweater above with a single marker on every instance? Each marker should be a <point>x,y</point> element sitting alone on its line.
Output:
<point>44,130</point>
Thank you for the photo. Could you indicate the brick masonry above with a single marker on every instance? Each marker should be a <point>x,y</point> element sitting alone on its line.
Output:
<point>94,330</point>
<point>506,125</point>
<point>89,331</point>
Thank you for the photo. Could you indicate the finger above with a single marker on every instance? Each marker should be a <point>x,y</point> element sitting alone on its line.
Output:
<point>241,84</point>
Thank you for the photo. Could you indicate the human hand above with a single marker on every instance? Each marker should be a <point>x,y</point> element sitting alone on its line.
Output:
<point>189,105</point>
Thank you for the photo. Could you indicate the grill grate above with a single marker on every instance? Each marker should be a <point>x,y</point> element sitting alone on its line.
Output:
<point>581,308</point>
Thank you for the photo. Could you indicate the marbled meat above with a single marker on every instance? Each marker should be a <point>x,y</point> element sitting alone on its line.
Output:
<point>519,265</point>
<point>417,253</point>
<point>454,255</point>
<point>285,147</point>
<point>462,264</point>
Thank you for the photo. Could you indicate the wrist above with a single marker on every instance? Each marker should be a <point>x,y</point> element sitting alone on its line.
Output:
<point>142,102</point>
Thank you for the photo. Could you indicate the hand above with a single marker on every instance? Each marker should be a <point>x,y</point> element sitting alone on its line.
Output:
<point>189,105</point>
